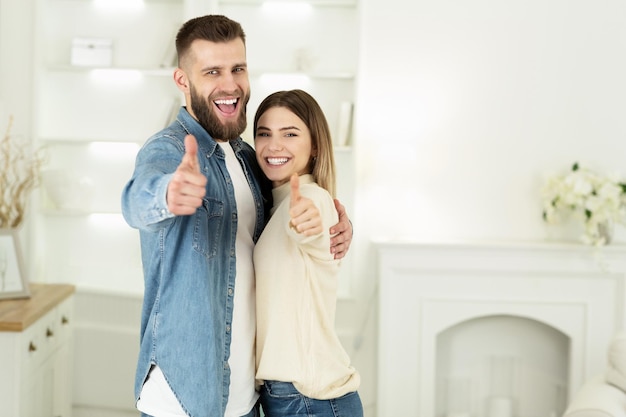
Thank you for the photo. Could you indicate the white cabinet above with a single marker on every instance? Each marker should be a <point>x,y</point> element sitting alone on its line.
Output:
<point>35,359</point>
<point>93,119</point>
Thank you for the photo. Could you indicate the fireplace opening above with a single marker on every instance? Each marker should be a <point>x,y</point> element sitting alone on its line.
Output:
<point>501,366</point>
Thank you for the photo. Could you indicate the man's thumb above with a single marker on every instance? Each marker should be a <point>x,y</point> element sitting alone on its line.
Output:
<point>190,158</point>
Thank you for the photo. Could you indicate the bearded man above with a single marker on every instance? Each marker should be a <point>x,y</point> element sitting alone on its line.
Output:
<point>200,202</point>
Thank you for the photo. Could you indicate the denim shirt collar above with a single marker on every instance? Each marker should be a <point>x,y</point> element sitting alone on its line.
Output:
<point>206,142</point>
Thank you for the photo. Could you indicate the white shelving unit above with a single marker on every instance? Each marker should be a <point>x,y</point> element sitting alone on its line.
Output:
<point>92,120</point>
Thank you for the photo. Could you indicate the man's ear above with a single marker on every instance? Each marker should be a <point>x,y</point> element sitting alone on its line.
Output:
<point>181,81</point>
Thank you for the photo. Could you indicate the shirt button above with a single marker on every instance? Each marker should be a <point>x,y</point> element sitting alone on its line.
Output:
<point>227,329</point>
<point>225,365</point>
<point>230,291</point>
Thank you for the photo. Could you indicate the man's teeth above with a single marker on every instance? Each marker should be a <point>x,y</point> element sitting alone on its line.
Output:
<point>230,101</point>
<point>277,161</point>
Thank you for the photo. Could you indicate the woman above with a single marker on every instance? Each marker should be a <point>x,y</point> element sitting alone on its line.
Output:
<point>302,368</point>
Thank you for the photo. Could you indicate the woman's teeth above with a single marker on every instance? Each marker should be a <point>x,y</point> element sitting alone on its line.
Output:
<point>277,161</point>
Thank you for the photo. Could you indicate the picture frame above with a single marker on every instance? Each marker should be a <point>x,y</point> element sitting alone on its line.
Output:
<point>13,282</point>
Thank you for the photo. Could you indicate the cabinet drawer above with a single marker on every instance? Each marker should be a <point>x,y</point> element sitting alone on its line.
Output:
<point>34,345</point>
<point>45,336</point>
<point>64,320</point>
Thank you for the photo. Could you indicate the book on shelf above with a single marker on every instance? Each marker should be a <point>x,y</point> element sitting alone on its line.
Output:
<point>344,128</point>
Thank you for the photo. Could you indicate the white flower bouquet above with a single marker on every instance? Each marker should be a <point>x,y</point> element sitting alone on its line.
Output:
<point>599,201</point>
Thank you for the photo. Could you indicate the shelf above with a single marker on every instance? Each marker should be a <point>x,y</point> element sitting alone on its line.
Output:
<point>88,141</point>
<point>167,72</point>
<point>121,2</point>
<point>326,75</point>
<point>316,3</point>
<point>156,71</point>
<point>53,212</point>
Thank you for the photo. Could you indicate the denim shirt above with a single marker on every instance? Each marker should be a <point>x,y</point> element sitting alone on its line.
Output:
<point>189,265</point>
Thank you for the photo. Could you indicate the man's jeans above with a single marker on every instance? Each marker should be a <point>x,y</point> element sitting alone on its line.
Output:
<point>282,399</point>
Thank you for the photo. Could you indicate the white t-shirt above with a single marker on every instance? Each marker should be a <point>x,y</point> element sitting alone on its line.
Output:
<point>242,395</point>
<point>156,397</point>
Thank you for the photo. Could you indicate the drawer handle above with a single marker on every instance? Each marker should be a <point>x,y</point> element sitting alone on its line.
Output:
<point>64,320</point>
<point>32,347</point>
<point>49,333</point>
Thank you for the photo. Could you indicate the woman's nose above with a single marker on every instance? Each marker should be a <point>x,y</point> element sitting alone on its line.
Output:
<point>275,144</point>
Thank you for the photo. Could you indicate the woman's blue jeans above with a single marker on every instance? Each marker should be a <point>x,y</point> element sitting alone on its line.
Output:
<point>282,399</point>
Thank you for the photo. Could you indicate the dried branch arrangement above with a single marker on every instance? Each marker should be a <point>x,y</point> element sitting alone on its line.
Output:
<point>19,174</point>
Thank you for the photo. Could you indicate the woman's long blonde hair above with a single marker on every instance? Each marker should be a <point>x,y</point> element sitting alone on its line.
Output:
<point>303,105</point>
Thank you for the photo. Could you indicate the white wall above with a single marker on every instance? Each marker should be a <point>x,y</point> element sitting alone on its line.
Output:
<point>16,74</point>
<point>463,108</point>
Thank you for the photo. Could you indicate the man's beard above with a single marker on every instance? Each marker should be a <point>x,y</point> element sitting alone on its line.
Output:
<point>208,119</point>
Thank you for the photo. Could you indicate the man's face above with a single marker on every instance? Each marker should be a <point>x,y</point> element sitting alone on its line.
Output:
<point>219,88</point>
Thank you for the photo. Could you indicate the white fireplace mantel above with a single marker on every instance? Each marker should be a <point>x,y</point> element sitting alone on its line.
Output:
<point>425,288</point>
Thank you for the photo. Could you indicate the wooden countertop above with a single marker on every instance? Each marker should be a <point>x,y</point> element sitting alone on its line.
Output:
<point>16,315</point>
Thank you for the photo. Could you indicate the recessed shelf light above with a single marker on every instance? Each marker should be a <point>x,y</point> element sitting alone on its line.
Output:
<point>113,149</point>
<point>119,5</point>
<point>276,8</point>
<point>116,75</point>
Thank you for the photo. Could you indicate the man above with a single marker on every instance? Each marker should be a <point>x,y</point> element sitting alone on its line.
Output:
<point>200,202</point>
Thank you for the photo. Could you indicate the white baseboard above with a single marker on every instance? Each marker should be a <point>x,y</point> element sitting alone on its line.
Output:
<point>80,411</point>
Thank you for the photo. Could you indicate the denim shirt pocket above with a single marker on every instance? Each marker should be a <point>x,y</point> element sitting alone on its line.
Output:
<point>208,226</point>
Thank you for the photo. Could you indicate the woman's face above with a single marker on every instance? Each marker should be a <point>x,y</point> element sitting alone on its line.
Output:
<point>283,145</point>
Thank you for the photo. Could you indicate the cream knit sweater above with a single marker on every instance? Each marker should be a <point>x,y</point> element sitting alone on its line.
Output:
<point>296,296</point>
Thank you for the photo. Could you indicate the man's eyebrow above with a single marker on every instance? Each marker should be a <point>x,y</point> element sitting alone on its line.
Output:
<point>212,68</point>
<point>221,67</point>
